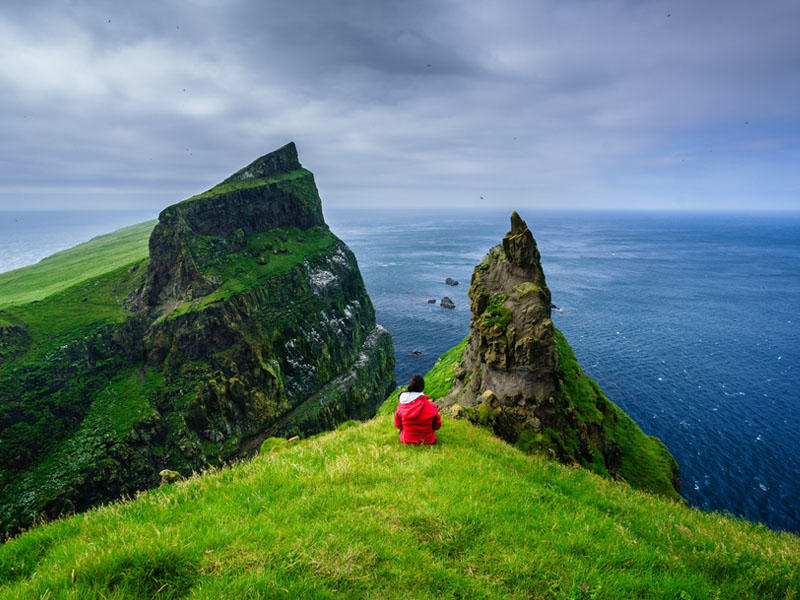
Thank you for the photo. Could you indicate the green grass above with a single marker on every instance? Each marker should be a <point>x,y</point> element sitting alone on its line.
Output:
<point>50,377</point>
<point>497,315</point>
<point>232,186</point>
<point>122,403</point>
<point>69,267</point>
<point>353,514</point>
<point>646,462</point>
<point>263,256</point>
<point>438,380</point>
<point>71,313</point>
<point>61,352</point>
<point>116,407</point>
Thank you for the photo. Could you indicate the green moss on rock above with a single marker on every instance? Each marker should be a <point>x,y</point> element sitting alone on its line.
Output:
<point>270,444</point>
<point>497,315</point>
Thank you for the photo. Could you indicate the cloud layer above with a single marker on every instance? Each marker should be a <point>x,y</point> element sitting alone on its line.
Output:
<point>550,104</point>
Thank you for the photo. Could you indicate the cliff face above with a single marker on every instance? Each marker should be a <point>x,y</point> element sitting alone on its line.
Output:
<point>271,193</point>
<point>249,319</point>
<point>519,376</point>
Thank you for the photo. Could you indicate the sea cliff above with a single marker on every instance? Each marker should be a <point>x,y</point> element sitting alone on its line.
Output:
<point>248,318</point>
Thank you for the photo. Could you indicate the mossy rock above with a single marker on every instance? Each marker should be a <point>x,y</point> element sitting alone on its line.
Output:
<point>270,444</point>
<point>168,476</point>
<point>456,411</point>
<point>496,315</point>
<point>485,414</point>
<point>528,288</point>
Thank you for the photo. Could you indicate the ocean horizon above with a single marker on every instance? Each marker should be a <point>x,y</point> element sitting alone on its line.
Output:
<point>686,320</point>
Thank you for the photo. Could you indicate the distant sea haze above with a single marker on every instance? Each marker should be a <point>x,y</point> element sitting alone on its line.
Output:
<point>28,237</point>
<point>687,322</point>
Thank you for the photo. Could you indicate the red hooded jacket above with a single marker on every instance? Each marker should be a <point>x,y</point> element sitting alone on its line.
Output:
<point>417,419</point>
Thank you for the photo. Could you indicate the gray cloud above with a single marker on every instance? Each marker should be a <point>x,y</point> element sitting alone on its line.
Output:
<point>568,104</point>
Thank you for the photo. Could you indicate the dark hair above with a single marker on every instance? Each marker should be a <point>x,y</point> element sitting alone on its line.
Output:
<point>416,383</point>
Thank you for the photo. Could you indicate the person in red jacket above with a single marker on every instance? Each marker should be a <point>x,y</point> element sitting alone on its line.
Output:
<point>417,417</point>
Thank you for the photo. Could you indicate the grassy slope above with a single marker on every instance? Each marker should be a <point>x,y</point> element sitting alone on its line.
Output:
<point>224,188</point>
<point>352,513</point>
<point>111,266</point>
<point>258,261</point>
<point>70,313</point>
<point>646,462</point>
<point>438,380</point>
<point>117,407</point>
<point>64,269</point>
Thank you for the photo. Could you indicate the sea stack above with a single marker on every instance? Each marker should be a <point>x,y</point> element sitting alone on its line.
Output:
<point>519,376</point>
<point>511,350</point>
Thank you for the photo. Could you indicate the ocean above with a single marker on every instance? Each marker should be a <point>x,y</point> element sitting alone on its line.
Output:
<point>27,237</point>
<point>686,321</point>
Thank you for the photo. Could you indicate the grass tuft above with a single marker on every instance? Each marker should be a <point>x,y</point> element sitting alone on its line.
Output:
<point>152,572</point>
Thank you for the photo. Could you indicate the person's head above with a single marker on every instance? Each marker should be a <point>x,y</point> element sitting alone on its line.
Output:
<point>416,383</point>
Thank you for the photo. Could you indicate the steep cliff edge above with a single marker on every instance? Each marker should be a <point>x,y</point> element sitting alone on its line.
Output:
<point>518,375</point>
<point>248,318</point>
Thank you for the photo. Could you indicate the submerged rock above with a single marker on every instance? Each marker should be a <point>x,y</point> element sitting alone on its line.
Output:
<point>431,300</point>
<point>450,281</point>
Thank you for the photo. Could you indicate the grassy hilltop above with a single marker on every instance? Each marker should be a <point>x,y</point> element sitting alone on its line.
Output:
<point>353,514</point>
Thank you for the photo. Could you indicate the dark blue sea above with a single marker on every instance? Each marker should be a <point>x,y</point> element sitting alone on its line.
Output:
<point>27,237</point>
<point>688,322</point>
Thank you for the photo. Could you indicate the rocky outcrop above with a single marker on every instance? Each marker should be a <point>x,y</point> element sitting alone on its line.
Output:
<point>272,192</point>
<point>511,350</point>
<point>250,319</point>
<point>283,160</point>
<point>519,376</point>
<point>13,340</point>
<point>446,302</point>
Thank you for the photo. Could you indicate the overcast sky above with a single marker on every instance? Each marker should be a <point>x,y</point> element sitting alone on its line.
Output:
<point>530,104</point>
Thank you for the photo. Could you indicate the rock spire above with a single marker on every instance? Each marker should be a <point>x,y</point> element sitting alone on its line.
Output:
<point>519,376</point>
